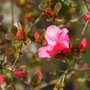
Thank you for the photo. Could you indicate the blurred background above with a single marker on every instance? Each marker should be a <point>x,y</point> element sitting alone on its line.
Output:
<point>27,11</point>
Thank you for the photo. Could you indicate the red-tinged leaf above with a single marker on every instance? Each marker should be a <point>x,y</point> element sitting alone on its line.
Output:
<point>44,17</point>
<point>18,25</point>
<point>57,8</point>
<point>27,41</point>
<point>10,36</point>
<point>59,19</point>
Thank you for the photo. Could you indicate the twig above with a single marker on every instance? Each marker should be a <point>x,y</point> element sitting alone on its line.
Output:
<point>86,5</point>
<point>45,85</point>
<point>15,62</point>
<point>12,13</point>
<point>36,21</point>
<point>84,29</point>
<point>82,69</point>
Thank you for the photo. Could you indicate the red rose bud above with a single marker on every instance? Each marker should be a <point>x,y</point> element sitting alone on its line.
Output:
<point>49,11</point>
<point>36,35</point>
<point>19,74</point>
<point>83,45</point>
<point>2,78</point>
<point>88,15</point>
<point>20,34</point>
<point>28,15</point>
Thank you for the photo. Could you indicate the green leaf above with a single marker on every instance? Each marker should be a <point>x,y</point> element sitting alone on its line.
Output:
<point>10,36</point>
<point>38,59</point>
<point>14,29</point>
<point>27,28</point>
<point>17,45</point>
<point>57,8</point>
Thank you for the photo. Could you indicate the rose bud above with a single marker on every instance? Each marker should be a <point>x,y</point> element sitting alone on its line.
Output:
<point>19,74</point>
<point>21,34</point>
<point>88,15</point>
<point>49,11</point>
<point>28,15</point>
<point>36,35</point>
<point>2,78</point>
<point>83,45</point>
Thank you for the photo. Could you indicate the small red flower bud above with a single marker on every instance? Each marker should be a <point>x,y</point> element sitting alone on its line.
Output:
<point>88,15</point>
<point>19,74</point>
<point>25,21</point>
<point>28,15</point>
<point>83,44</point>
<point>20,34</point>
<point>2,78</point>
<point>36,35</point>
<point>49,11</point>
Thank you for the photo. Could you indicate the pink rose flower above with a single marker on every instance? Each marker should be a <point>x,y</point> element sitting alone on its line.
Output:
<point>2,78</point>
<point>36,35</point>
<point>19,74</point>
<point>57,40</point>
<point>83,44</point>
<point>88,15</point>
<point>49,11</point>
<point>20,34</point>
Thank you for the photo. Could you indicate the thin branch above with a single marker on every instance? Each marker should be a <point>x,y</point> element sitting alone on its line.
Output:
<point>15,62</point>
<point>44,85</point>
<point>12,13</point>
<point>84,29</point>
<point>82,69</point>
